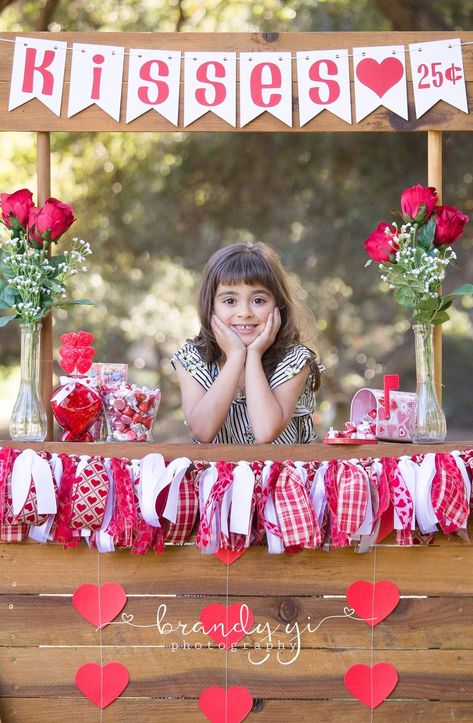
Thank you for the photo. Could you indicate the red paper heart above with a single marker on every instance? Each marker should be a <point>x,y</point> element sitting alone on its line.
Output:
<point>379,77</point>
<point>229,556</point>
<point>371,685</point>
<point>225,706</point>
<point>102,685</point>
<point>371,602</point>
<point>227,625</point>
<point>99,605</point>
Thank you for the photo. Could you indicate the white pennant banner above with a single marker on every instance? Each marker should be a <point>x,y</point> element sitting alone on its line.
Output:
<point>323,79</point>
<point>38,72</point>
<point>153,83</point>
<point>210,85</point>
<point>437,74</point>
<point>380,79</point>
<point>96,77</point>
<point>265,85</point>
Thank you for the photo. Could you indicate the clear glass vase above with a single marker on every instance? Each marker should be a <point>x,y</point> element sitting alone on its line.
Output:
<point>429,423</point>
<point>28,421</point>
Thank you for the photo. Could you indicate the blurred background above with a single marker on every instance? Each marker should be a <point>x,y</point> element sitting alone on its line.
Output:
<point>155,206</point>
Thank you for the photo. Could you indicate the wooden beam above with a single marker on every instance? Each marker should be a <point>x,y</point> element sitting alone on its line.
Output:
<point>434,147</point>
<point>43,151</point>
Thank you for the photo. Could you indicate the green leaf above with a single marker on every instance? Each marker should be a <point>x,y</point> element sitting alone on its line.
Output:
<point>405,297</point>
<point>440,318</point>
<point>463,290</point>
<point>5,319</point>
<point>425,235</point>
<point>53,285</point>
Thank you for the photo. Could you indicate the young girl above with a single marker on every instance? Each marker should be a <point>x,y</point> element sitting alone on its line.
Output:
<point>246,378</point>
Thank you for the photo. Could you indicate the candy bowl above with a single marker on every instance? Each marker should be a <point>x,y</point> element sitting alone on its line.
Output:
<point>130,411</point>
<point>76,404</point>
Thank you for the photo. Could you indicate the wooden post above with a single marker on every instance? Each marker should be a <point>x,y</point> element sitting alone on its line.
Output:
<point>43,152</point>
<point>434,150</point>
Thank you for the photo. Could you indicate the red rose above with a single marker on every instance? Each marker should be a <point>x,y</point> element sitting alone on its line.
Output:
<point>51,221</point>
<point>450,224</point>
<point>380,245</point>
<point>417,203</point>
<point>16,207</point>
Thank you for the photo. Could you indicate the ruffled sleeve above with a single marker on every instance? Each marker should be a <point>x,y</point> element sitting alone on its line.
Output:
<point>193,363</point>
<point>293,362</point>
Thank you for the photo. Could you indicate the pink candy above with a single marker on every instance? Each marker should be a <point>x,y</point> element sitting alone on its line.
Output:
<point>130,411</point>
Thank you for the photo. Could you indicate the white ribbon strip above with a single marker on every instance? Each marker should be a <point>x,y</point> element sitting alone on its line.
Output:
<point>153,470</point>
<point>317,492</point>
<point>242,495</point>
<point>41,533</point>
<point>29,467</point>
<point>174,475</point>
<point>426,517</point>
<point>68,384</point>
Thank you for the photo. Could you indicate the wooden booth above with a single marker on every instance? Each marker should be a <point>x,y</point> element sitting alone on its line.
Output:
<point>298,600</point>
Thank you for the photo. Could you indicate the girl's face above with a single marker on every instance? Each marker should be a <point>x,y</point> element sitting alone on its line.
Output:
<point>244,309</point>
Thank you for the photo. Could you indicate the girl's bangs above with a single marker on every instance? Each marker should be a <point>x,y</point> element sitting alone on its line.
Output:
<point>246,268</point>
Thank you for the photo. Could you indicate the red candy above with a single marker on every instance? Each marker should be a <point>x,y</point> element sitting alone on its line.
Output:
<point>130,411</point>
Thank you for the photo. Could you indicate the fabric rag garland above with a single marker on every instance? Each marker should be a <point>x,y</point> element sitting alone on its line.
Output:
<point>140,505</point>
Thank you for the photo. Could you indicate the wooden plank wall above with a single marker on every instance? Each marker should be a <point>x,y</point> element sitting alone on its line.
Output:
<point>428,638</point>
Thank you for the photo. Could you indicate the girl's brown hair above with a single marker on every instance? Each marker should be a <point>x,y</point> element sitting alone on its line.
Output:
<point>252,264</point>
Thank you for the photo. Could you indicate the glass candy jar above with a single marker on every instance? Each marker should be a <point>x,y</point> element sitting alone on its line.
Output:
<point>76,404</point>
<point>130,411</point>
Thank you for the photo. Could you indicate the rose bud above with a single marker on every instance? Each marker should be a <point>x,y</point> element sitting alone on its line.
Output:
<point>380,245</point>
<point>450,224</point>
<point>51,221</point>
<point>417,203</point>
<point>16,208</point>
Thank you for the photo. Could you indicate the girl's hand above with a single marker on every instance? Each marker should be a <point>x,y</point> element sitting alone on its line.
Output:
<point>269,333</point>
<point>228,340</point>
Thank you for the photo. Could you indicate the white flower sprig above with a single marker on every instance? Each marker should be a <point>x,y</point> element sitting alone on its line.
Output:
<point>34,283</point>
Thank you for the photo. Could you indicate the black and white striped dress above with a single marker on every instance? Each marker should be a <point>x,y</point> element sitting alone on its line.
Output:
<point>237,428</point>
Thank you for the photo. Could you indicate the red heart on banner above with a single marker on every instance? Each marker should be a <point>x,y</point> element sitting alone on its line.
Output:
<point>229,556</point>
<point>371,602</point>
<point>371,685</point>
<point>227,625</point>
<point>225,706</point>
<point>102,685</point>
<point>99,605</point>
<point>379,77</point>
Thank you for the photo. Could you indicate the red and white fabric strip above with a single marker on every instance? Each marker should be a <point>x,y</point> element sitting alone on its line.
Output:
<point>61,529</point>
<point>317,492</point>
<point>448,494</point>
<point>187,506</point>
<point>33,493</point>
<point>89,495</point>
<point>101,538</point>
<point>208,534</point>
<point>346,488</point>
<point>144,533</point>
<point>266,509</point>
<point>294,510</point>
<point>401,499</point>
<point>175,473</point>
<point>10,529</point>
<point>123,520</point>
